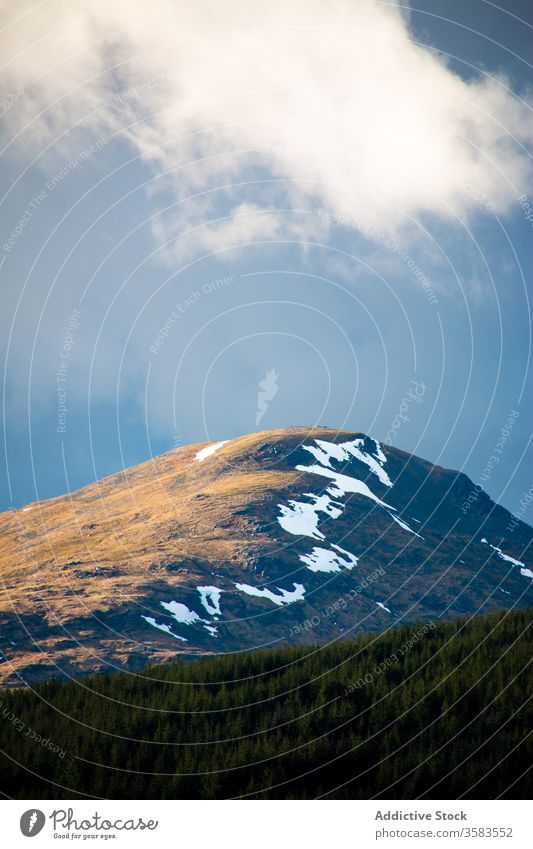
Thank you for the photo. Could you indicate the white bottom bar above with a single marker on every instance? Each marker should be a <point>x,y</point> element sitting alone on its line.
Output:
<point>268,824</point>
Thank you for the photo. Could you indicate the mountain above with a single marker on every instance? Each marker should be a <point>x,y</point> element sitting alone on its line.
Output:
<point>290,536</point>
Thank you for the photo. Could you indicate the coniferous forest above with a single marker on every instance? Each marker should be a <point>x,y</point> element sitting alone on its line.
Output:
<point>423,711</point>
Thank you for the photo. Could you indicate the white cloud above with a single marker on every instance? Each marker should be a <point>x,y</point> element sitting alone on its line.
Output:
<point>315,103</point>
<point>246,224</point>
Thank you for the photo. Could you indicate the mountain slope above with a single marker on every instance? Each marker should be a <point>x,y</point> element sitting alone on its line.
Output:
<point>286,536</point>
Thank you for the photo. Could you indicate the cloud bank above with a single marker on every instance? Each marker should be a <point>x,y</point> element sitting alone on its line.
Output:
<point>244,110</point>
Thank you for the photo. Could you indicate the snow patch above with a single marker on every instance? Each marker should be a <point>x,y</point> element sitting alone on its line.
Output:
<point>324,560</point>
<point>405,526</point>
<point>301,519</point>
<point>527,573</point>
<point>324,452</point>
<point>206,452</point>
<point>286,597</point>
<point>181,612</point>
<point>185,616</point>
<point>210,599</point>
<point>502,555</point>
<point>343,484</point>
<point>379,452</point>
<point>380,604</point>
<point>162,627</point>
<point>352,557</point>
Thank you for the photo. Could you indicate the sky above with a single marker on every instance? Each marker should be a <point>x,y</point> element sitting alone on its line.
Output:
<point>219,217</point>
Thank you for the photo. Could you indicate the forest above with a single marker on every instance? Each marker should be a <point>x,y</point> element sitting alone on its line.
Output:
<point>437,710</point>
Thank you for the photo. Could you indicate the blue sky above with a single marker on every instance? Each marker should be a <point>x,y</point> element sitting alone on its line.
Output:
<point>193,200</point>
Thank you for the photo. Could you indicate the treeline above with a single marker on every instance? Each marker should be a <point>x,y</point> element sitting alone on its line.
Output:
<point>435,711</point>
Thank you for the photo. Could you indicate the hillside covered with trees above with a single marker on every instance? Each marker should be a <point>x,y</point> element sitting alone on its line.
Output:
<point>440,710</point>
